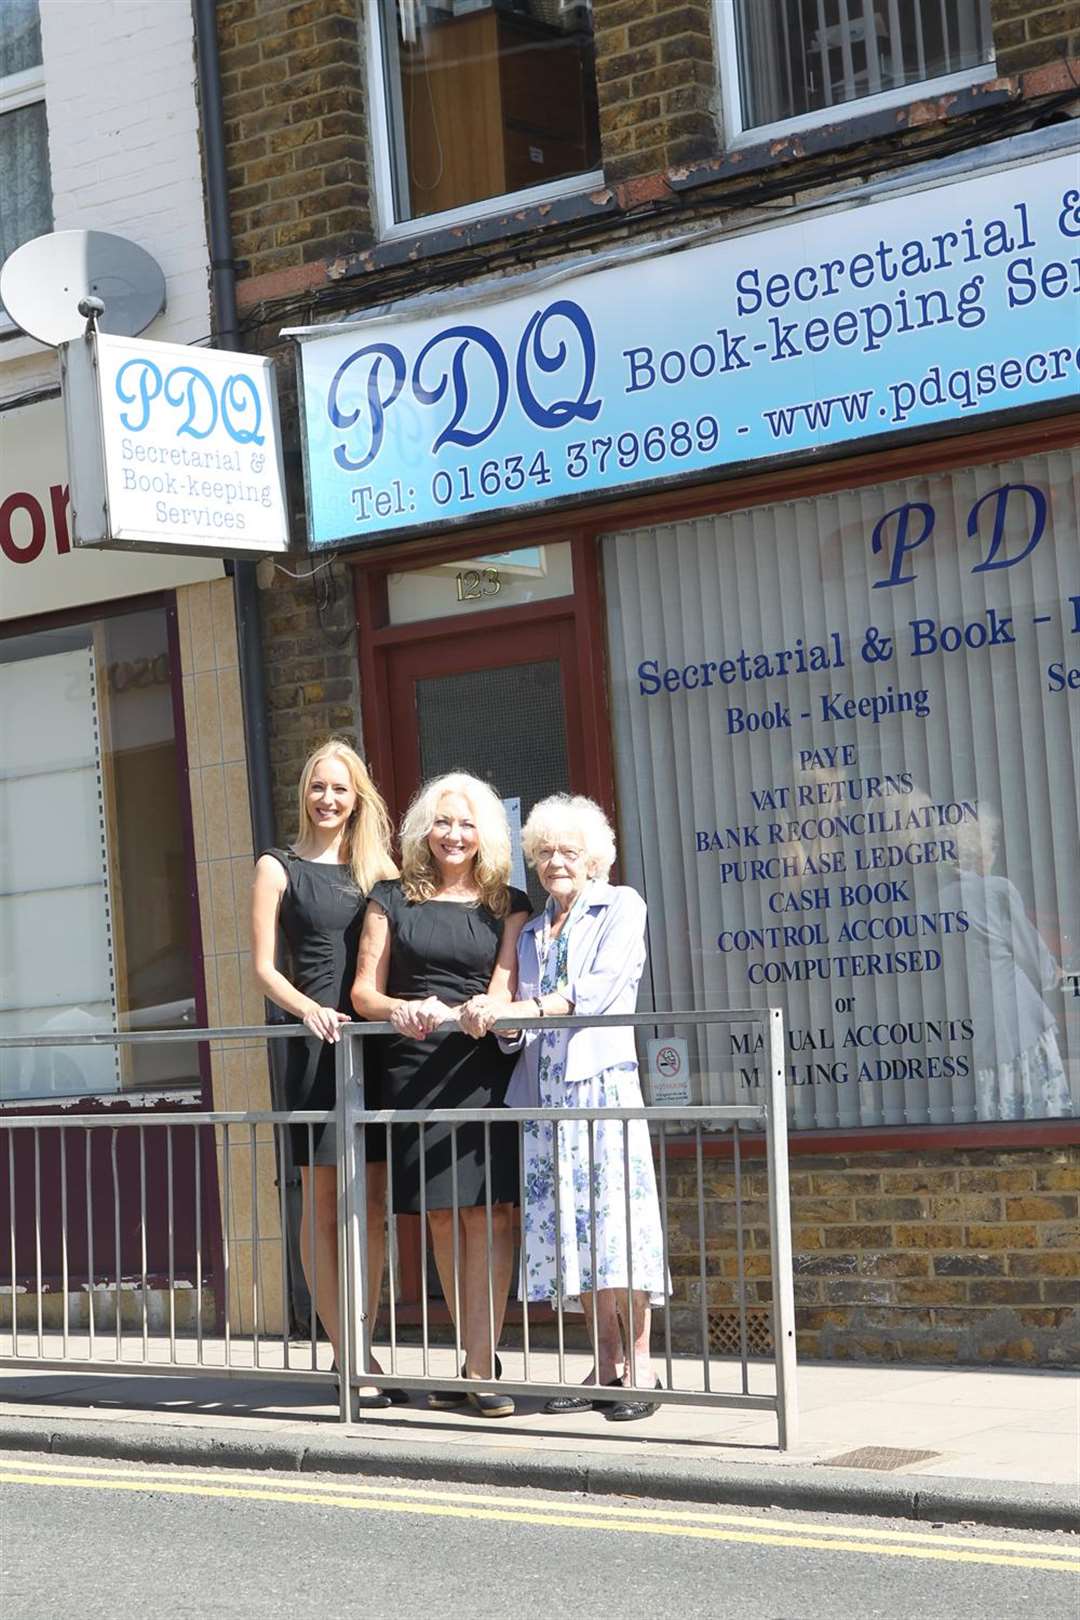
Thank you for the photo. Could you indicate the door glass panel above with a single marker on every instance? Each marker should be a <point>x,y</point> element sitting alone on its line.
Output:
<point>505,725</point>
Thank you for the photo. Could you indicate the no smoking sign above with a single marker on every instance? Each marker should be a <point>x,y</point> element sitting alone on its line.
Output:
<point>669,1072</point>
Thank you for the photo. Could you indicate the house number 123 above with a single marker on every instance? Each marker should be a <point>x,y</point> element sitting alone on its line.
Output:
<point>475,583</point>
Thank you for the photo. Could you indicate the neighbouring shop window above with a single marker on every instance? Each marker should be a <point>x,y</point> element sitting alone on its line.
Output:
<point>485,98</point>
<point>794,58</point>
<point>848,753</point>
<point>94,886</point>
<point>26,192</point>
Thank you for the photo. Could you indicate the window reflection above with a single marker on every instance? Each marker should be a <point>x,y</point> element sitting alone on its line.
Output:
<point>486,98</point>
<point>1019,1073</point>
<point>94,893</point>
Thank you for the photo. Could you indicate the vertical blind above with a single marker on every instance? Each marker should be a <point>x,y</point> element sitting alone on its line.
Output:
<point>57,970</point>
<point>797,56</point>
<point>925,867</point>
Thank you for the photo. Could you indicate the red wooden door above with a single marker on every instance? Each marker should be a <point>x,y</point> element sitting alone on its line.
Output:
<point>499,703</point>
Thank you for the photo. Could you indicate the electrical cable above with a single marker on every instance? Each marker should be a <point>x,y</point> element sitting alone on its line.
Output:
<point>308,573</point>
<point>444,271</point>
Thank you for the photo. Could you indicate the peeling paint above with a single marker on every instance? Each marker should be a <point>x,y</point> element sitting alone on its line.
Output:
<point>124,1101</point>
<point>843,134</point>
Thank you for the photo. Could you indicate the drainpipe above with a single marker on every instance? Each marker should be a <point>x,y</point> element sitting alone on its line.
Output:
<point>227,336</point>
<point>245,589</point>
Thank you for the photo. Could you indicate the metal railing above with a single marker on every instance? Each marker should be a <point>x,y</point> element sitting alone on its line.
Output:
<point>180,1184</point>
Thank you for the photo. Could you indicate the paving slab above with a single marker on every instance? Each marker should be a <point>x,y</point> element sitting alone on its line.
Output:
<point>1003,1445</point>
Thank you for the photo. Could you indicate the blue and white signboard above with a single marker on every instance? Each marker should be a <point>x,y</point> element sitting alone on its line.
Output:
<point>910,313</point>
<point>172,449</point>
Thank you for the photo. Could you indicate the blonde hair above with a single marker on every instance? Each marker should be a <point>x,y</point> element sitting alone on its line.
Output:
<point>365,843</point>
<point>491,869</point>
<point>564,813</point>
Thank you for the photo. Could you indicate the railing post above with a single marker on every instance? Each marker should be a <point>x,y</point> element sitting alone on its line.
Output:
<point>783,1296</point>
<point>355,1333</point>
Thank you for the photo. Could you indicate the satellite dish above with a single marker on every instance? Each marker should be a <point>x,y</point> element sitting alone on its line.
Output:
<point>43,282</point>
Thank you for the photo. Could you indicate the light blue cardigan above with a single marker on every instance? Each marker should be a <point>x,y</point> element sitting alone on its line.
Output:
<point>605,958</point>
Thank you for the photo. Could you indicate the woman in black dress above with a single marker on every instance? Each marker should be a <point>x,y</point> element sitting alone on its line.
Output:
<point>443,937</point>
<point>314,894</point>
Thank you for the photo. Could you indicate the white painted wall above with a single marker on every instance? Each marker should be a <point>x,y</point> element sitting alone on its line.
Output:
<point>124,153</point>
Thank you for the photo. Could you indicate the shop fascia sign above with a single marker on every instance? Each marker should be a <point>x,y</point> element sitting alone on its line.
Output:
<point>172,448</point>
<point>908,314</point>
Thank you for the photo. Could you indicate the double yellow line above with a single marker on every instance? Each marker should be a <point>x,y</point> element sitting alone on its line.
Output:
<point>699,1524</point>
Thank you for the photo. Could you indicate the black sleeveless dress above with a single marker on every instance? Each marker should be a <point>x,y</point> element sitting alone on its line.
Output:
<point>441,948</point>
<point>320,918</point>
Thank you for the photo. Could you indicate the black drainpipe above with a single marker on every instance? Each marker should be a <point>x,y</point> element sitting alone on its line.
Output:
<point>245,589</point>
<point>227,336</point>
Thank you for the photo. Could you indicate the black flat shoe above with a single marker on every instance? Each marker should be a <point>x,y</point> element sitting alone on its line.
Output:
<point>560,1405</point>
<point>443,1399</point>
<point>605,1406</point>
<point>491,1405</point>
<point>397,1397</point>
<point>485,1401</point>
<point>375,1402</point>
<point>378,1401</point>
<point>630,1411</point>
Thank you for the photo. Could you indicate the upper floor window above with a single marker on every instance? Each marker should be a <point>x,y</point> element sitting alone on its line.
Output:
<point>25,191</point>
<point>804,59</point>
<point>478,100</point>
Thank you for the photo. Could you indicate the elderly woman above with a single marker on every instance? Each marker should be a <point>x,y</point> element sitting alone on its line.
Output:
<point>584,955</point>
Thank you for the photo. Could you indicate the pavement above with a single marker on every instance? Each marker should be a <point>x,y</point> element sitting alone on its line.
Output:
<point>983,1445</point>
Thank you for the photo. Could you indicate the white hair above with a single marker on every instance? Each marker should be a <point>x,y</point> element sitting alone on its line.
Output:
<point>571,815</point>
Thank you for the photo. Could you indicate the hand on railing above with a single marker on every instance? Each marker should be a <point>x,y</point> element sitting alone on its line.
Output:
<point>478,1014</point>
<point>325,1022</point>
<point>419,1019</point>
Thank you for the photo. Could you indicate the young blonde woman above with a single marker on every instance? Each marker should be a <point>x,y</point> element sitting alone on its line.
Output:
<point>312,897</point>
<point>443,937</point>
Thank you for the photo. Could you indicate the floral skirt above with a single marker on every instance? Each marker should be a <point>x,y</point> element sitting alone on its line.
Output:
<point>559,1233</point>
<point>1033,1086</point>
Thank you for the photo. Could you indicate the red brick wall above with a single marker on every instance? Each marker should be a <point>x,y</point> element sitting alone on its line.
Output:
<point>913,1256</point>
<point>294,99</point>
<point>656,84</point>
<point>312,674</point>
<point>1028,33</point>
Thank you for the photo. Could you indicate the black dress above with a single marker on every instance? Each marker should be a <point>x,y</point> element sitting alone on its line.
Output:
<point>445,949</point>
<point>320,917</point>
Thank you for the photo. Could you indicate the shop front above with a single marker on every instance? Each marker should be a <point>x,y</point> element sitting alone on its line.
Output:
<point>770,544</point>
<point>105,914</point>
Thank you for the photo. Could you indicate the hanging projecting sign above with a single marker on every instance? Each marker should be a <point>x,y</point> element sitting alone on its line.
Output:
<point>908,313</point>
<point>172,449</point>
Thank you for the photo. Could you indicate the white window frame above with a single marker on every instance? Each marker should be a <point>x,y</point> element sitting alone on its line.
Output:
<point>380,147</point>
<point>19,90</point>
<point>736,135</point>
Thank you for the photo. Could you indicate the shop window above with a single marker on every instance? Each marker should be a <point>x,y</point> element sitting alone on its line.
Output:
<point>847,755</point>
<point>477,101</point>
<point>811,60</point>
<point>94,886</point>
<point>26,193</point>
